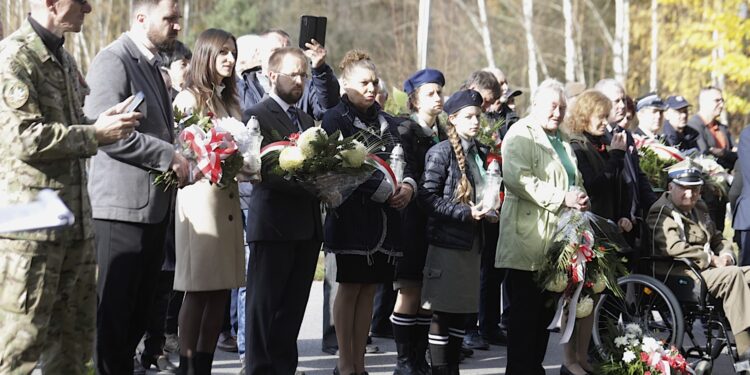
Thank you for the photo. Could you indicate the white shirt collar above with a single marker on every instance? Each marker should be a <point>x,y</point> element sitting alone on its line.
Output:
<point>138,41</point>
<point>284,105</point>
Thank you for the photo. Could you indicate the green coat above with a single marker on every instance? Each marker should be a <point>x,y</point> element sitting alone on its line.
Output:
<point>45,137</point>
<point>535,186</point>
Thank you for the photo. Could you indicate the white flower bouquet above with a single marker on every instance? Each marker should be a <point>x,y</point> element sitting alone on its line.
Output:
<point>637,354</point>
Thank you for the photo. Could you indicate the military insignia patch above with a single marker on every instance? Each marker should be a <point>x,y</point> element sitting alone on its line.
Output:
<point>15,93</point>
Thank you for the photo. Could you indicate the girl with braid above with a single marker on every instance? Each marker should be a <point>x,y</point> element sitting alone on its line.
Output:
<point>453,180</point>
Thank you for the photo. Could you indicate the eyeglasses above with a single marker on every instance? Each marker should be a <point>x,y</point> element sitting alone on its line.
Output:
<point>300,76</point>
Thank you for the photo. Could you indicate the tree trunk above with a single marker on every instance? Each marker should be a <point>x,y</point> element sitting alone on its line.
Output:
<point>654,45</point>
<point>626,36</point>
<point>186,19</point>
<point>618,66</point>
<point>486,34</point>
<point>570,48</point>
<point>423,32</point>
<point>528,13</point>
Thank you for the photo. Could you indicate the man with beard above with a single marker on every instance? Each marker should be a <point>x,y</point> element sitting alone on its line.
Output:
<point>634,190</point>
<point>285,238</point>
<point>130,215</point>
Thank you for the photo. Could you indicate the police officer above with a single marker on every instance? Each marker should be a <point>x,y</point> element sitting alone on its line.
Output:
<point>649,110</point>
<point>675,130</point>
<point>47,277</point>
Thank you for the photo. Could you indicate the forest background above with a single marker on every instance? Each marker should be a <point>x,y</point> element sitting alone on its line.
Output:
<point>669,46</point>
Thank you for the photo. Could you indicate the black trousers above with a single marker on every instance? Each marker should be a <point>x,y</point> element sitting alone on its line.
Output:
<point>280,275</point>
<point>153,340</point>
<point>531,310</point>
<point>129,256</point>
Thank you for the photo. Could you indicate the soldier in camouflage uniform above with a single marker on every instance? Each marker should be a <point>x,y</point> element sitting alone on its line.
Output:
<point>47,277</point>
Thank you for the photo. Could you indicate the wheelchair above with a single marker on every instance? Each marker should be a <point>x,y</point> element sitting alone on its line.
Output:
<point>668,306</point>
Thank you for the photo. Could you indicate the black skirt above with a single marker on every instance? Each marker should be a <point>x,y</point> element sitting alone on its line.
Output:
<point>356,269</point>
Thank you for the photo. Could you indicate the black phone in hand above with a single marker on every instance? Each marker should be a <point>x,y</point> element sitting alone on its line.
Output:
<point>312,27</point>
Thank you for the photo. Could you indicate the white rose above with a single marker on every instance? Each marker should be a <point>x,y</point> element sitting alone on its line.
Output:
<point>307,137</point>
<point>558,284</point>
<point>628,356</point>
<point>291,158</point>
<point>585,307</point>
<point>600,284</point>
<point>353,158</point>
<point>650,345</point>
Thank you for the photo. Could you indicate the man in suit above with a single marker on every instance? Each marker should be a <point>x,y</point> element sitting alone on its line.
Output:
<point>130,214</point>
<point>714,138</point>
<point>741,222</point>
<point>634,190</point>
<point>681,227</point>
<point>286,237</point>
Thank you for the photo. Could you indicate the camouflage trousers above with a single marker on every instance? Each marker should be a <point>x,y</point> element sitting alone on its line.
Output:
<point>47,306</point>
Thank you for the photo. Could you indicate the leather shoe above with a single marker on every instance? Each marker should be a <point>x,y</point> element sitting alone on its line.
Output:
<point>466,351</point>
<point>496,338</point>
<point>227,343</point>
<point>473,340</point>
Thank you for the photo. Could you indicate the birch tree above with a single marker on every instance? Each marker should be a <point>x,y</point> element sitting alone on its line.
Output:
<point>528,13</point>
<point>481,27</point>
<point>570,48</point>
<point>620,42</point>
<point>654,45</point>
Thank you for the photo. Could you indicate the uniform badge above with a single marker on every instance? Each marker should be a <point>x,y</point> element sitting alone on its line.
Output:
<point>15,94</point>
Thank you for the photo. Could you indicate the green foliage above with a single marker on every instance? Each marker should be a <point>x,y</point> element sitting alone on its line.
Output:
<point>654,167</point>
<point>396,104</point>
<point>238,17</point>
<point>488,132</point>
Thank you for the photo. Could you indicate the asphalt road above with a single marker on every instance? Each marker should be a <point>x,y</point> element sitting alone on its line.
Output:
<point>314,362</point>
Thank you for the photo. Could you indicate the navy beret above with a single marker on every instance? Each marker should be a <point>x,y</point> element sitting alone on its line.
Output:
<point>461,99</point>
<point>677,102</point>
<point>649,100</point>
<point>422,77</point>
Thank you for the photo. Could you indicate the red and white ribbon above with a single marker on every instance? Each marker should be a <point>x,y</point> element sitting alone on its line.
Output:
<point>275,146</point>
<point>380,164</point>
<point>209,149</point>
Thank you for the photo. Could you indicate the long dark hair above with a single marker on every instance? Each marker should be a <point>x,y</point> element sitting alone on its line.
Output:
<point>202,74</point>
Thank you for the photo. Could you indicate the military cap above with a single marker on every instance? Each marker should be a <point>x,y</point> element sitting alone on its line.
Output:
<point>649,100</point>
<point>422,77</point>
<point>511,93</point>
<point>686,173</point>
<point>677,102</point>
<point>462,99</point>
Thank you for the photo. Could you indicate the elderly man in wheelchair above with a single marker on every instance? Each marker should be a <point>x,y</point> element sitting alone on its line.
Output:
<point>685,242</point>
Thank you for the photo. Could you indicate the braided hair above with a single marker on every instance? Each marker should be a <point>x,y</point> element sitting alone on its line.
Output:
<point>463,192</point>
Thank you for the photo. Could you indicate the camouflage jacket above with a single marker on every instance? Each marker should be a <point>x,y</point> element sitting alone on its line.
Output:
<point>45,136</point>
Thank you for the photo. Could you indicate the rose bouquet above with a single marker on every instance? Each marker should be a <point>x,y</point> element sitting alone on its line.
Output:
<point>216,149</point>
<point>330,167</point>
<point>582,262</point>
<point>637,354</point>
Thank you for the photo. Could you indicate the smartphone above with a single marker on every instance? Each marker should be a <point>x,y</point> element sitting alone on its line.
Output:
<point>136,102</point>
<point>312,27</point>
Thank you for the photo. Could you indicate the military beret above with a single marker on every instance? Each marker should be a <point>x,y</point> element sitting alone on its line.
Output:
<point>686,173</point>
<point>422,77</point>
<point>461,99</point>
<point>649,100</point>
<point>677,102</point>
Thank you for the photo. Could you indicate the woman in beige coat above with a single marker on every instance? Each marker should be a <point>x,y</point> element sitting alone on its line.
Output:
<point>539,172</point>
<point>208,228</point>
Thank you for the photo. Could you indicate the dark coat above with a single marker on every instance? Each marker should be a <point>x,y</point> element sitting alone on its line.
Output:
<point>364,223</point>
<point>706,140</point>
<point>742,207</point>
<point>281,210</point>
<point>687,141</point>
<point>450,223</point>
<point>602,172</point>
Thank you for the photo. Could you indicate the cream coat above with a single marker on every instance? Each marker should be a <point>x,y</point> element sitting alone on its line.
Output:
<point>209,244</point>
<point>535,186</point>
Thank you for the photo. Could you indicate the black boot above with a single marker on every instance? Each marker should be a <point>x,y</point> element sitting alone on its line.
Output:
<point>187,366</point>
<point>419,355</point>
<point>203,363</point>
<point>441,370</point>
<point>404,365</point>
<point>453,353</point>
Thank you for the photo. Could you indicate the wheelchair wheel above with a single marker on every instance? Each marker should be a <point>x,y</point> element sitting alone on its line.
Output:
<point>646,302</point>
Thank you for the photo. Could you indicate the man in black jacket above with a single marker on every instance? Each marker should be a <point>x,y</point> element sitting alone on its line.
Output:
<point>285,238</point>
<point>635,191</point>
<point>676,131</point>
